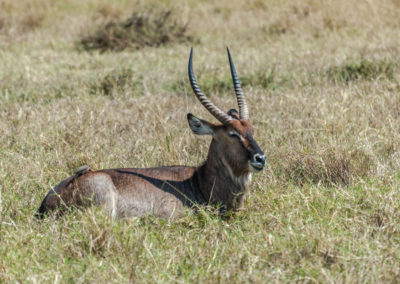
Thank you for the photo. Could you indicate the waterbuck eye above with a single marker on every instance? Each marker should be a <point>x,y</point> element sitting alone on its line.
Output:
<point>233,134</point>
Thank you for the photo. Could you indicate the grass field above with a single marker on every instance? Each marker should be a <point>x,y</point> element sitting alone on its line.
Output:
<point>322,80</point>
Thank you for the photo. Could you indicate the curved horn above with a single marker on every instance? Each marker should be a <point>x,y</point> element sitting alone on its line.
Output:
<point>220,115</point>
<point>243,110</point>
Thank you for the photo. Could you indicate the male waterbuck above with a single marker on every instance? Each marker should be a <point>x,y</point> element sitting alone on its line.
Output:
<point>222,180</point>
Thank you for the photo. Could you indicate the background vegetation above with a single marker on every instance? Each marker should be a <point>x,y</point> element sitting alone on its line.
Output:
<point>104,83</point>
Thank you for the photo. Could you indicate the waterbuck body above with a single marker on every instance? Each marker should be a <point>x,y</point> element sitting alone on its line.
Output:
<point>222,180</point>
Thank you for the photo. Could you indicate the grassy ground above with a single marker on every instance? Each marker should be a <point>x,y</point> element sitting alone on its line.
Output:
<point>322,83</point>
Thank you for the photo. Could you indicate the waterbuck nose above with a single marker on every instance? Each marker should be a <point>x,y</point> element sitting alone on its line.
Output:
<point>259,159</point>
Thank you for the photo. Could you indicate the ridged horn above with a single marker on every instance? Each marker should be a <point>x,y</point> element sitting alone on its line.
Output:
<point>215,111</point>
<point>243,110</point>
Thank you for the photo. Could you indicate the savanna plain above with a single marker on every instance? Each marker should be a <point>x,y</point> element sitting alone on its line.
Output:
<point>104,83</point>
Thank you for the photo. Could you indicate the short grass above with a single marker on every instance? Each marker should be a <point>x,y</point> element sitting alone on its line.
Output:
<point>323,87</point>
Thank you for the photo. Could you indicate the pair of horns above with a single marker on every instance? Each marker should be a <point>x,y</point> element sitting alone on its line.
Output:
<point>215,111</point>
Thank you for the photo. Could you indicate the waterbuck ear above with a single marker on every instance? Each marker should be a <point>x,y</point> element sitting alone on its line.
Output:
<point>234,113</point>
<point>199,126</point>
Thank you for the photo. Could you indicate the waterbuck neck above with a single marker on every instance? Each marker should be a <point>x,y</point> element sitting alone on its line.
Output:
<point>220,184</point>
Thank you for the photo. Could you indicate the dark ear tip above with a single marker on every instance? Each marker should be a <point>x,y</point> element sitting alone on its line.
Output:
<point>234,113</point>
<point>189,116</point>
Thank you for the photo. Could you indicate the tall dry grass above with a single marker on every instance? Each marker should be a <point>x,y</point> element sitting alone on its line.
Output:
<point>322,83</point>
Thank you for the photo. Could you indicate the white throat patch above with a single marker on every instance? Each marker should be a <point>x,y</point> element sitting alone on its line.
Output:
<point>240,180</point>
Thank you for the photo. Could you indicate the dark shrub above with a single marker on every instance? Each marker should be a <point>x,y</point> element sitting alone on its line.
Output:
<point>144,28</point>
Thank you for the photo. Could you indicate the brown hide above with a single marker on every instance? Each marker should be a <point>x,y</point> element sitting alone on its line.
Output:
<point>162,191</point>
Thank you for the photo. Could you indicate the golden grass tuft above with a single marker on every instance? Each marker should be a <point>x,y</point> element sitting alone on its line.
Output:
<point>365,70</point>
<point>331,167</point>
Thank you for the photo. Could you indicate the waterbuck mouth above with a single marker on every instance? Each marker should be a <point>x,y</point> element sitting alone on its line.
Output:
<point>258,162</point>
<point>257,167</point>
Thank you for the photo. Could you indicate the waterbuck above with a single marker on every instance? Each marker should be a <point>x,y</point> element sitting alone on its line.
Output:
<point>222,180</point>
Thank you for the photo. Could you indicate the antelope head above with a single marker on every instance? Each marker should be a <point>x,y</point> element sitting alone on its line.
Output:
<point>233,142</point>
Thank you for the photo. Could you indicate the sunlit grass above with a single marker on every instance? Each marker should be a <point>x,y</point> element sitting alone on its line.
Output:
<point>322,86</point>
